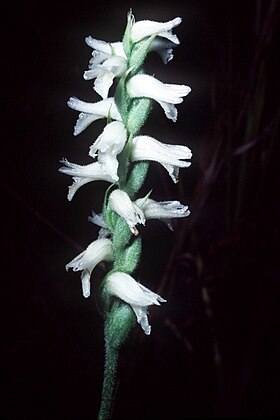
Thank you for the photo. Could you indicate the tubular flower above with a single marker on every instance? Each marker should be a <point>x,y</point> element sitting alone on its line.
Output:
<point>91,112</point>
<point>97,251</point>
<point>108,145</point>
<point>108,61</point>
<point>162,210</point>
<point>143,85</point>
<point>82,174</point>
<point>168,155</point>
<point>145,28</point>
<point>124,287</point>
<point>120,202</point>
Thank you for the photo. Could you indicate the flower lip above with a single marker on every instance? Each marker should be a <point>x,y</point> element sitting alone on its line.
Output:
<point>91,112</point>
<point>145,28</point>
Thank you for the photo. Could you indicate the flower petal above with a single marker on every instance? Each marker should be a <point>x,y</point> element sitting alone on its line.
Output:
<point>145,28</point>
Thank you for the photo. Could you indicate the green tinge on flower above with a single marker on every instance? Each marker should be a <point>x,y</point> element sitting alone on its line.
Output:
<point>162,210</point>
<point>97,251</point>
<point>168,155</point>
<point>82,174</point>
<point>144,28</point>
<point>120,202</point>
<point>108,145</point>
<point>124,287</point>
<point>143,85</point>
<point>91,112</point>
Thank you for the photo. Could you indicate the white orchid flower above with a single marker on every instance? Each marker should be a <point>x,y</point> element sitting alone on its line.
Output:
<point>143,85</point>
<point>108,145</point>
<point>82,174</point>
<point>121,204</point>
<point>124,287</point>
<point>108,61</point>
<point>162,210</point>
<point>145,28</point>
<point>91,112</point>
<point>168,155</point>
<point>97,251</point>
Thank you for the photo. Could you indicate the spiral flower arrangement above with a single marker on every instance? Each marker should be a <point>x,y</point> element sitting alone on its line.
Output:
<point>121,157</point>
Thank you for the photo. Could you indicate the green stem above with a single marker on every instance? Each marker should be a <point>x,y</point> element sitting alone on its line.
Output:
<point>109,383</point>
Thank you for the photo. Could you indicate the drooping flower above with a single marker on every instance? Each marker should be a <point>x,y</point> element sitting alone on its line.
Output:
<point>162,210</point>
<point>108,145</point>
<point>108,61</point>
<point>145,28</point>
<point>168,155</point>
<point>91,112</point>
<point>120,202</point>
<point>82,174</point>
<point>97,251</point>
<point>124,287</point>
<point>143,85</point>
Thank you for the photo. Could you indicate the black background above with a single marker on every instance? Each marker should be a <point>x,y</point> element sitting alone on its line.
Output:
<point>214,347</point>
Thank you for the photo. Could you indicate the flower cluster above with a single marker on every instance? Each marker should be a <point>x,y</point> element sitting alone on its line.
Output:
<point>120,156</point>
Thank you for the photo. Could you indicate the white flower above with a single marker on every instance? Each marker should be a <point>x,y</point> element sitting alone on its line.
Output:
<point>168,155</point>
<point>121,204</point>
<point>92,111</point>
<point>162,210</point>
<point>97,251</point>
<point>143,85</point>
<point>108,61</point>
<point>135,294</point>
<point>144,28</point>
<point>109,144</point>
<point>82,174</point>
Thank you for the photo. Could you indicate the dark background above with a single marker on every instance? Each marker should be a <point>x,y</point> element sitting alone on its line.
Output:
<point>214,347</point>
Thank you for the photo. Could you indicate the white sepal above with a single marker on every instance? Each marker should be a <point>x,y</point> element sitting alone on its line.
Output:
<point>162,210</point>
<point>82,174</point>
<point>170,156</point>
<point>124,287</point>
<point>143,85</point>
<point>120,202</point>
<point>105,74</point>
<point>144,28</point>
<point>97,251</point>
<point>92,111</point>
<point>108,61</point>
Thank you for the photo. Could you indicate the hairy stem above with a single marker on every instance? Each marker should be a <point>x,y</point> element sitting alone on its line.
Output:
<point>109,383</point>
